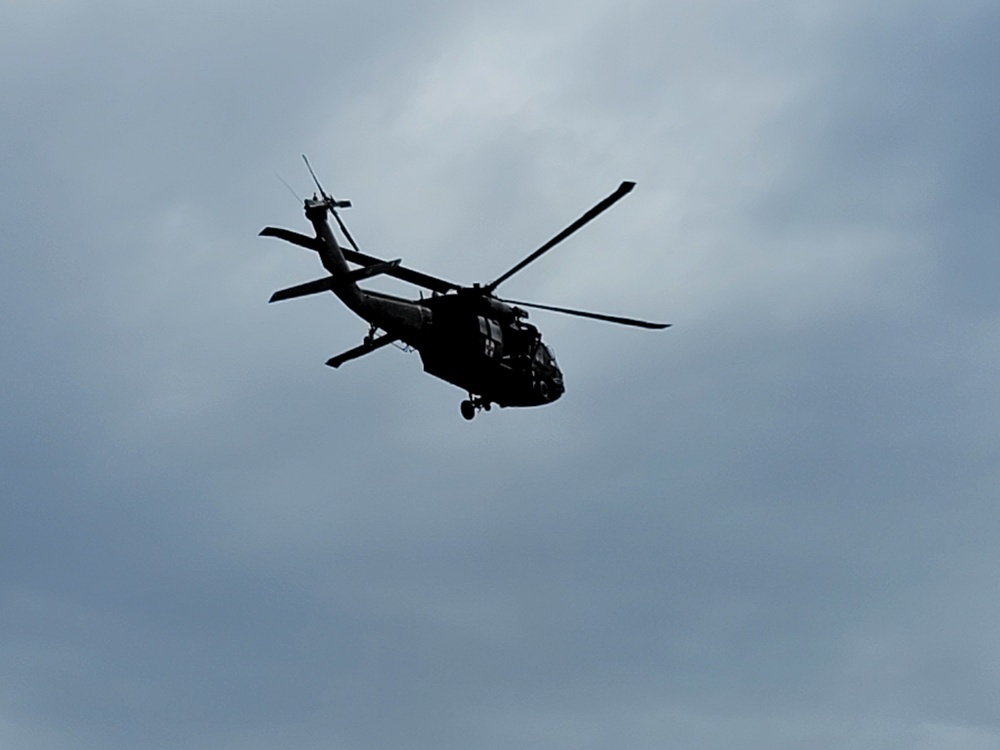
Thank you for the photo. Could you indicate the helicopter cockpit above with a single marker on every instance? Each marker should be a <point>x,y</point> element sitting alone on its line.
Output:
<point>548,376</point>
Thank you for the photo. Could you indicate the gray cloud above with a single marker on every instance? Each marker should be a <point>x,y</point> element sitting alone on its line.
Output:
<point>770,526</point>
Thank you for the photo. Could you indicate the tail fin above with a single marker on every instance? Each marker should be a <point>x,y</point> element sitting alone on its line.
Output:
<point>329,249</point>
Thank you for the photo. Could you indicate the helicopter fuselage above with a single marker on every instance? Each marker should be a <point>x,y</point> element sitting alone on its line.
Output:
<point>466,335</point>
<point>466,338</point>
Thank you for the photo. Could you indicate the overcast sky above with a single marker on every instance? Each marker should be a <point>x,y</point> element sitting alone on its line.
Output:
<point>774,525</point>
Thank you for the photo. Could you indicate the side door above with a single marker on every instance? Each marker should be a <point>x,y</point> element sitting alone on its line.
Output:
<point>490,338</point>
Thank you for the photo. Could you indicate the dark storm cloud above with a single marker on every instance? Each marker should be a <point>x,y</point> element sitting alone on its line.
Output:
<point>769,526</point>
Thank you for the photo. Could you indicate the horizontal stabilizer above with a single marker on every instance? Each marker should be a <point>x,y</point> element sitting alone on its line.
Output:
<point>360,351</point>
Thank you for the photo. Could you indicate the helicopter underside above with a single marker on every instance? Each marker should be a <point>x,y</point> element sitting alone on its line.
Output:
<point>494,380</point>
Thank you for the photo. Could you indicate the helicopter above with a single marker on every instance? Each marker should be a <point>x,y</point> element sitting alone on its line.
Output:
<point>466,335</point>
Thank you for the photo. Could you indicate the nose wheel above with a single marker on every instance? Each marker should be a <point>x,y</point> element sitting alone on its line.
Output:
<point>472,405</point>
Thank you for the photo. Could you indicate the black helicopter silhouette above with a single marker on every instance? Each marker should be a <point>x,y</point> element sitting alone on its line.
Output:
<point>466,335</point>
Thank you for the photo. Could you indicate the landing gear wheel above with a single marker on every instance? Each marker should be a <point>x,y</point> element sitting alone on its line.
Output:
<point>468,409</point>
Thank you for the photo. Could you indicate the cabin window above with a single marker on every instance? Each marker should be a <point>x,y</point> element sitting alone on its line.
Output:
<point>492,337</point>
<point>490,329</point>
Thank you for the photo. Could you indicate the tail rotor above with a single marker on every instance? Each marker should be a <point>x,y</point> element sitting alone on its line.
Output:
<point>332,205</point>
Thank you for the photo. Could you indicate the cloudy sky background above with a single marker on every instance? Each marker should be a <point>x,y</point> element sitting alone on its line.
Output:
<point>772,526</point>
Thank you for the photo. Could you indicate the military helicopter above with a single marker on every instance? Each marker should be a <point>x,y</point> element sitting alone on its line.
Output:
<point>466,335</point>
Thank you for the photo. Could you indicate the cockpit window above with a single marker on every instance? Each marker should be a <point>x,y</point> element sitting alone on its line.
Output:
<point>544,355</point>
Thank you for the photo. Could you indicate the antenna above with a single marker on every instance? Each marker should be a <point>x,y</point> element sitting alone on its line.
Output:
<point>288,186</point>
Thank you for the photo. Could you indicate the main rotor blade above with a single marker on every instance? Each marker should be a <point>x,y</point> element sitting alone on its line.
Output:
<point>624,189</point>
<point>400,272</point>
<point>596,316</point>
<point>310,243</point>
<point>403,273</point>
<point>326,284</point>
